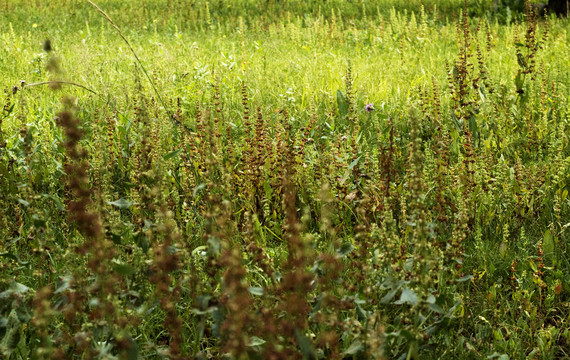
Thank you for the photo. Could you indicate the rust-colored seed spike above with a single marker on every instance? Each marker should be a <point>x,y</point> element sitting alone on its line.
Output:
<point>513,277</point>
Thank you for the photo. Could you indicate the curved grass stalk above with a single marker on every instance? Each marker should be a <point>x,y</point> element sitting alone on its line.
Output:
<point>58,82</point>
<point>108,18</point>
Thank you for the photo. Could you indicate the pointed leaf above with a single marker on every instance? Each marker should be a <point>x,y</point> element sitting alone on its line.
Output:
<point>342,104</point>
<point>436,308</point>
<point>258,291</point>
<point>465,278</point>
<point>389,296</point>
<point>354,348</point>
<point>305,346</point>
<point>124,269</point>
<point>345,249</point>
<point>172,154</point>
<point>255,341</point>
<point>407,297</point>
<point>121,203</point>
<point>548,244</point>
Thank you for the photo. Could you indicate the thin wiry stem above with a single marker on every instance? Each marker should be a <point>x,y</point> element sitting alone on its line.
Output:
<point>170,114</point>
<point>51,82</point>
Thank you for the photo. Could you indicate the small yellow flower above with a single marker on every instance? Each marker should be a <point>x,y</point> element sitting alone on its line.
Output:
<point>35,26</point>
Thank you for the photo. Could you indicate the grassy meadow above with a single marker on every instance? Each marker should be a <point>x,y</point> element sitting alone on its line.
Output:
<point>200,179</point>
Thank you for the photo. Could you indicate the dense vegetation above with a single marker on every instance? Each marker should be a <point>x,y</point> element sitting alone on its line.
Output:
<point>308,179</point>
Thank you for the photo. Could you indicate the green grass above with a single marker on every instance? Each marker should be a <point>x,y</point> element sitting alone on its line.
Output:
<point>292,223</point>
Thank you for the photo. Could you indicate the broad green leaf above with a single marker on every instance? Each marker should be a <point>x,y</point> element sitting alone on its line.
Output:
<point>353,164</point>
<point>132,350</point>
<point>197,189</point>
<point>361,313</point>
<point>121,203</point>
<point>345,249</point>
<point>498,356</point>
<point>389,296</point>
<point>214,246</point>
<point>458,124</point>
<point>345,177</point>
<point>255,341</point>
<point>24,202</point>
<point>56,200</point>
<point>473,127</point>
<point>39,223</point>
<point>465,278</point>
<point>354,348</point>
<point>172,154</point>
<point>407,297</point>
<point>548,244</point>
<point>17,288</point>
<point>305,346</point>
<point>63,284</point>
<point>124,269</point>
<point>521,60</point>
<point>257,291</point>
<point>435,308</point>
<point>342,104</point>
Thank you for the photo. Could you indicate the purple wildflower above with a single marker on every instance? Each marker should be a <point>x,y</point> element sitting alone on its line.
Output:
<point>369,107</point>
